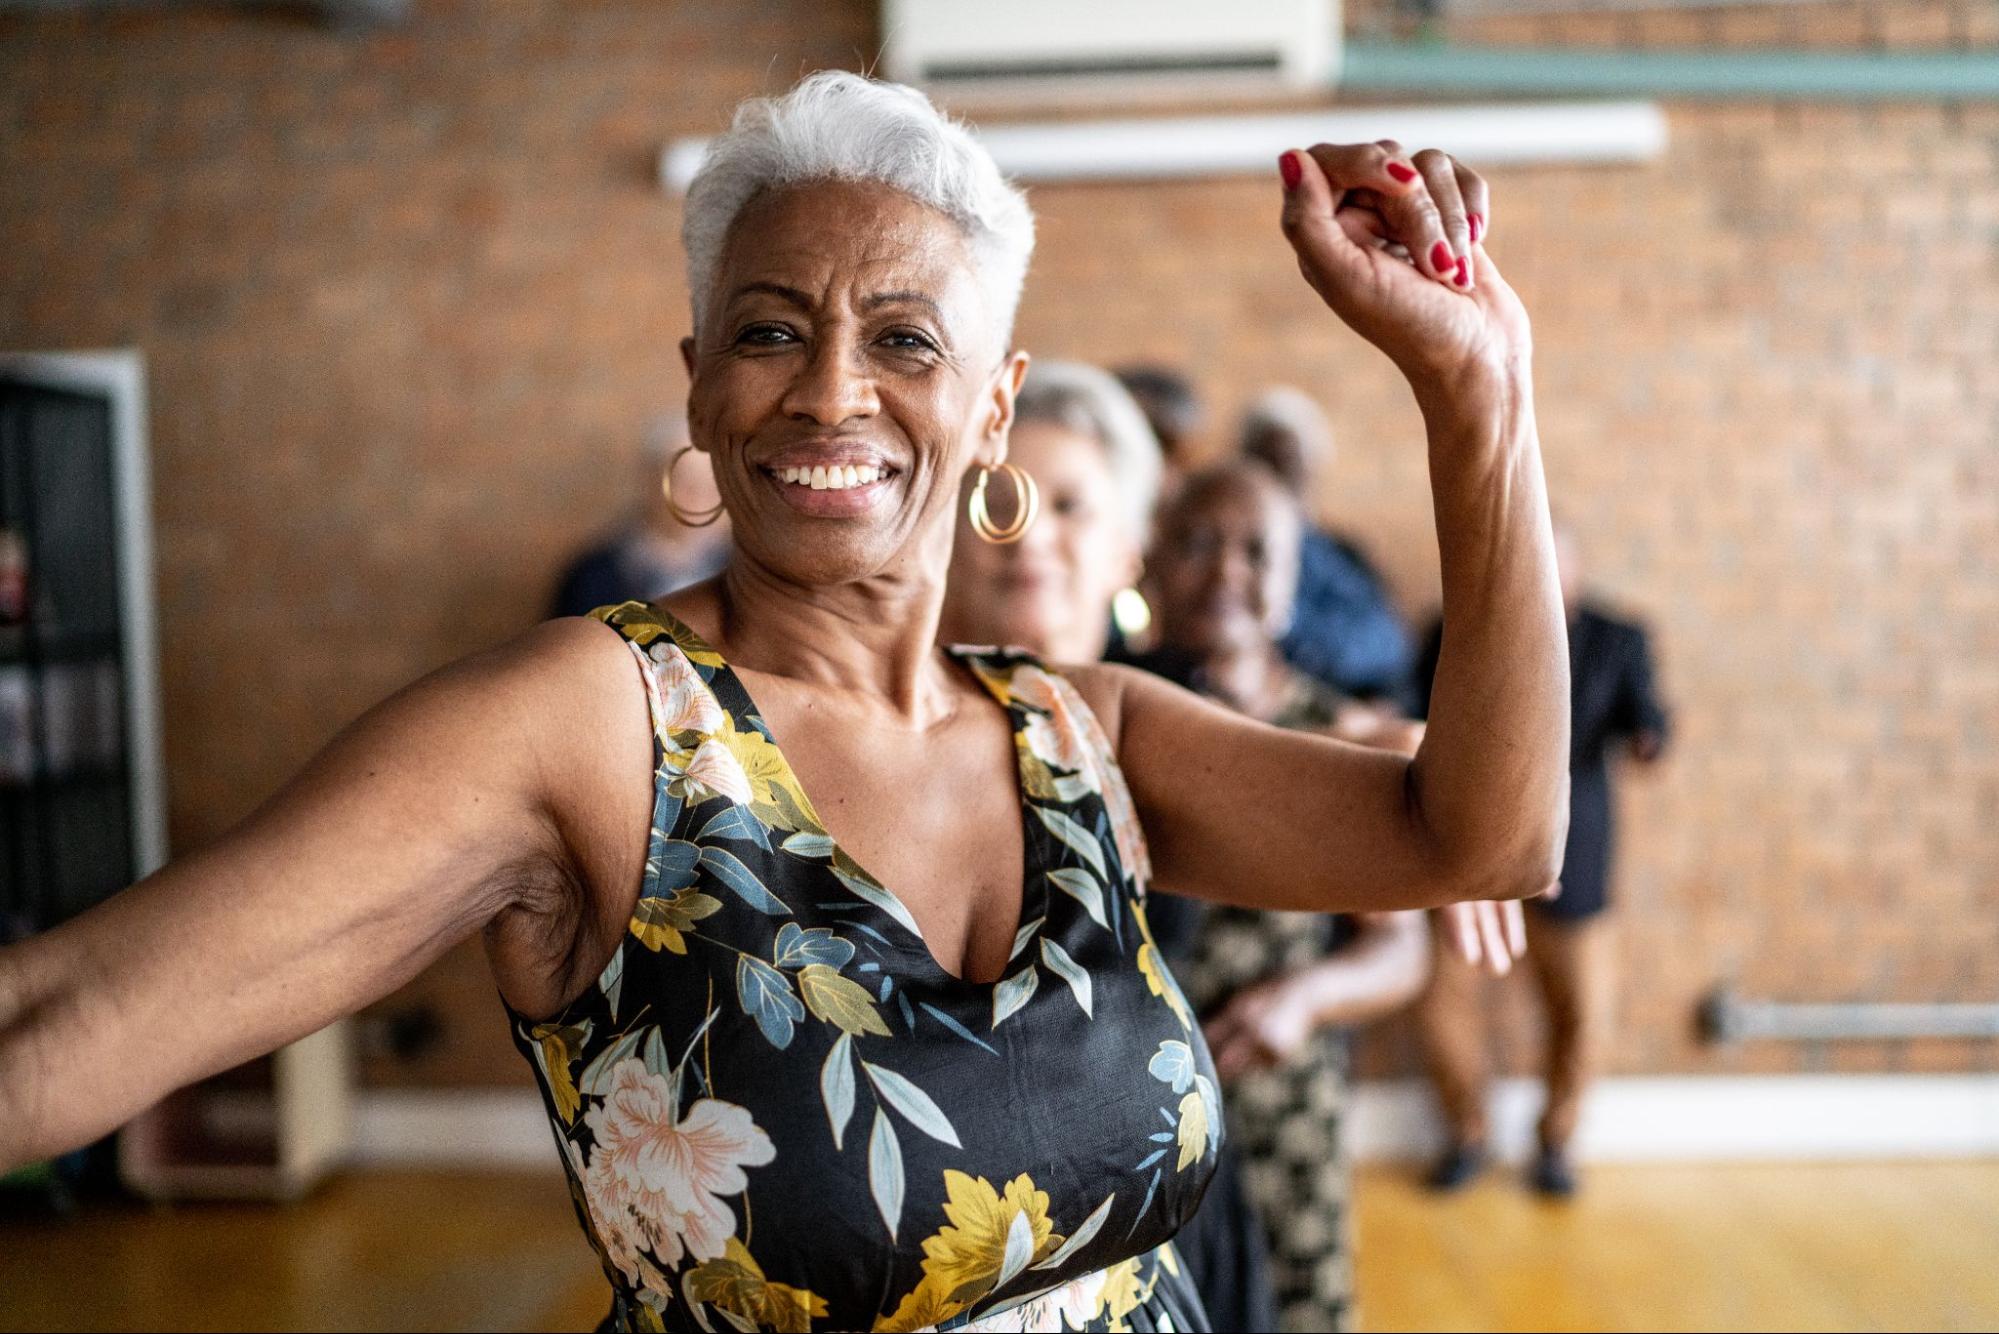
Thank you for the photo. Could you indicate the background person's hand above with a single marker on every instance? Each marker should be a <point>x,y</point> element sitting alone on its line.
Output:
<point>1488,933</point>
<point>1395,245</point>
<point>1262,1025</point>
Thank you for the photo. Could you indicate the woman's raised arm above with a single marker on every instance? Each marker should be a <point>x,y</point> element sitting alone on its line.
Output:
<point>477,797</point>
<point>1277,819</point>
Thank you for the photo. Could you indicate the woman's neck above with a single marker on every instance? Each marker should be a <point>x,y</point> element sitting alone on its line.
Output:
<point>874,637</point>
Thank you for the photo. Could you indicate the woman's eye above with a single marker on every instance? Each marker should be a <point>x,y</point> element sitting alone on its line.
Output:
<point>908,340</point>
<point>765,335</point>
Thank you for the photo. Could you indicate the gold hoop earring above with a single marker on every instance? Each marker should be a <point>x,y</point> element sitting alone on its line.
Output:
<point>666,488</point>
<point>1027,504</point>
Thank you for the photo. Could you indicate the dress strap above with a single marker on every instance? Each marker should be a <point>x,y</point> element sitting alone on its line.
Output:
<point>1055,725</point>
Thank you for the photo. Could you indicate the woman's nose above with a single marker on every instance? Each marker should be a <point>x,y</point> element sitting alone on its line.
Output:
<point>832,387</point>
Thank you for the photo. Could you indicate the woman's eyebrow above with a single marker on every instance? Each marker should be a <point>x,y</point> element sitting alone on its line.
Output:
<point>790,295</point>
<point>903,298</point>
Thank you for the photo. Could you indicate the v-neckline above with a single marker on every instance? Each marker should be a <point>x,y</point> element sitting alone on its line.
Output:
<point>1034,897</point>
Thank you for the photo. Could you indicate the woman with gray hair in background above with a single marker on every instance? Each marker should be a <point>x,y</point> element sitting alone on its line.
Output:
<point>897,1053</point>
<point>1097,467</point>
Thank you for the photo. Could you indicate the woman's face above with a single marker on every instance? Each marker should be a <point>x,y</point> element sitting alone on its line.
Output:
<point>1226,567</point>
<point>1051,591</point>
<point>846,374</point>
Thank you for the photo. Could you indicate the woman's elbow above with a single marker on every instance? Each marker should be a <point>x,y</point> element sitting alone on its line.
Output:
<point>1523,867</point>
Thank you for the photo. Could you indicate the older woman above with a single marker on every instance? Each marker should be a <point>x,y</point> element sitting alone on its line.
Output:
<point>1276,990</point>
<point>1096,466</point>
<point>831,956</point>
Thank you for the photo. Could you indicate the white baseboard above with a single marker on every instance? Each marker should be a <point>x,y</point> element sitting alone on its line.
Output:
<point>1712,1117</point>
<point>1630,1119</point>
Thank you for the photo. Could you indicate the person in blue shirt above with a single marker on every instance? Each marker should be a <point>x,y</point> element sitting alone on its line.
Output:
<point>1344,630</point>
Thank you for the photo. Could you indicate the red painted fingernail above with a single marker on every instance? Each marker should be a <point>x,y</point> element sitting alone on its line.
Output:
<point>1288,168</point>
<point>1463,278</point>
<point>1402,172</point>
<point>1476,221</point>
<point>1440,257</point>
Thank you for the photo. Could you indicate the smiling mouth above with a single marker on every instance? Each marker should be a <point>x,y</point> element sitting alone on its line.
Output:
<point>834,478</point>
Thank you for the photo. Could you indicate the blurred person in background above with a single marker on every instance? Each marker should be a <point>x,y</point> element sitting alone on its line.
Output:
<point>1085,441</point>
<point>1344,629</point>
<point>1277,991</point>
<point>1173,408</point>
<point>654,550</point>
<point>1616,712</point>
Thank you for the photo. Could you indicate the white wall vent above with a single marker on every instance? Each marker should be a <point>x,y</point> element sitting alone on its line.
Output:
<point>1056,51</point>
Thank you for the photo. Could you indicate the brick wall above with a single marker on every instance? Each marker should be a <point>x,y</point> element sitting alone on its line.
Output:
<point>408,300</point>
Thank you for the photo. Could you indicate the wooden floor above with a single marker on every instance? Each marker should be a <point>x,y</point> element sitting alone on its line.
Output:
<point>1901,1246</point>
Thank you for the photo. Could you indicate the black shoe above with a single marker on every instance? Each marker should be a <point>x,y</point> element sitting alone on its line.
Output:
<point>1552,1175</point>
<point>1458,1168</point>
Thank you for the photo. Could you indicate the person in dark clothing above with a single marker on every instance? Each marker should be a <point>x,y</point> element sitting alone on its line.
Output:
<point>1615,711</point>
<point>1343,628</point>
<point>653,551</point>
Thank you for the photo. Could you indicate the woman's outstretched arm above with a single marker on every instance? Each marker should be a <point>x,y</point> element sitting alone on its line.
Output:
<point>446,809</point>
<point>1245,812</point>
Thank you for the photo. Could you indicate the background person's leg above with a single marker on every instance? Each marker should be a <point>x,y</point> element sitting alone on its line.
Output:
<point>1572,965</point>
<point>1451,1027</point>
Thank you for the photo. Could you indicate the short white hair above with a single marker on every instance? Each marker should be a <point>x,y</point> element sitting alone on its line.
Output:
<point>1092,403</point>
<point>839,126</point>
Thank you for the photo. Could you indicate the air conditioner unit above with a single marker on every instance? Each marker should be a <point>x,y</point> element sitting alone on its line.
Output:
<point>1068,51</point>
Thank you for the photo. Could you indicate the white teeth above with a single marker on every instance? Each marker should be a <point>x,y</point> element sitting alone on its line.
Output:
<point>837,477</point>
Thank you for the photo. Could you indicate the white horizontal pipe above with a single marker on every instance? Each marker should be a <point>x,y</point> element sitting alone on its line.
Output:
<point>1193,146</point>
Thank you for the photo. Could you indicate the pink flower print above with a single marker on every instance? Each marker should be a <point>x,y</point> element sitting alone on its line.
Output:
<point>656,1178</point>
<point>681,700</point>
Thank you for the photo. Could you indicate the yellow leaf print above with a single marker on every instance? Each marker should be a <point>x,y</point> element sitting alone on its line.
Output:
<point>925,1307</point>
<point>839,1000</point>
<point>650,1321</point>
<point>556,1055</point>
<point>1157,980</point>
<point>966,1254</point>
<point>736,1283</point>
<point>658,922</point>
<point>762,763</point>
<point>1123,1293</point>
<point>696,649</point>
<point>1193,1130</point>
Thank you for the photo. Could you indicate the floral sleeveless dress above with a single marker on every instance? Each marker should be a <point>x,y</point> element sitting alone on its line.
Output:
<point>777,1111</point>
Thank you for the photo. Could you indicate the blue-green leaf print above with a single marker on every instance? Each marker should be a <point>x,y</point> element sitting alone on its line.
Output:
<point>1069,971</point>
<point>725,867</point>
<point>862,888</point>
<point>944,1018</point>
<point>836,1087</point>
<point>671,861</point>
<point>1077,837</point>
<point>1080,886</point>
<point>921,1110</point>
<point>767,998</point>
<point>655,1054</point>
<point>1019,1248</point>
<point>1174,1064</point>
<point>885,1171</point>
<point>1211,1099</point>
<point>1081,1236</point>
<point>596,1080</point>
<point>1012,993</point>
<point>736,822</point>
<point>1022,936</point>
<point>612,980</point>
<point>798,946</point>
<point>805,843</point>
